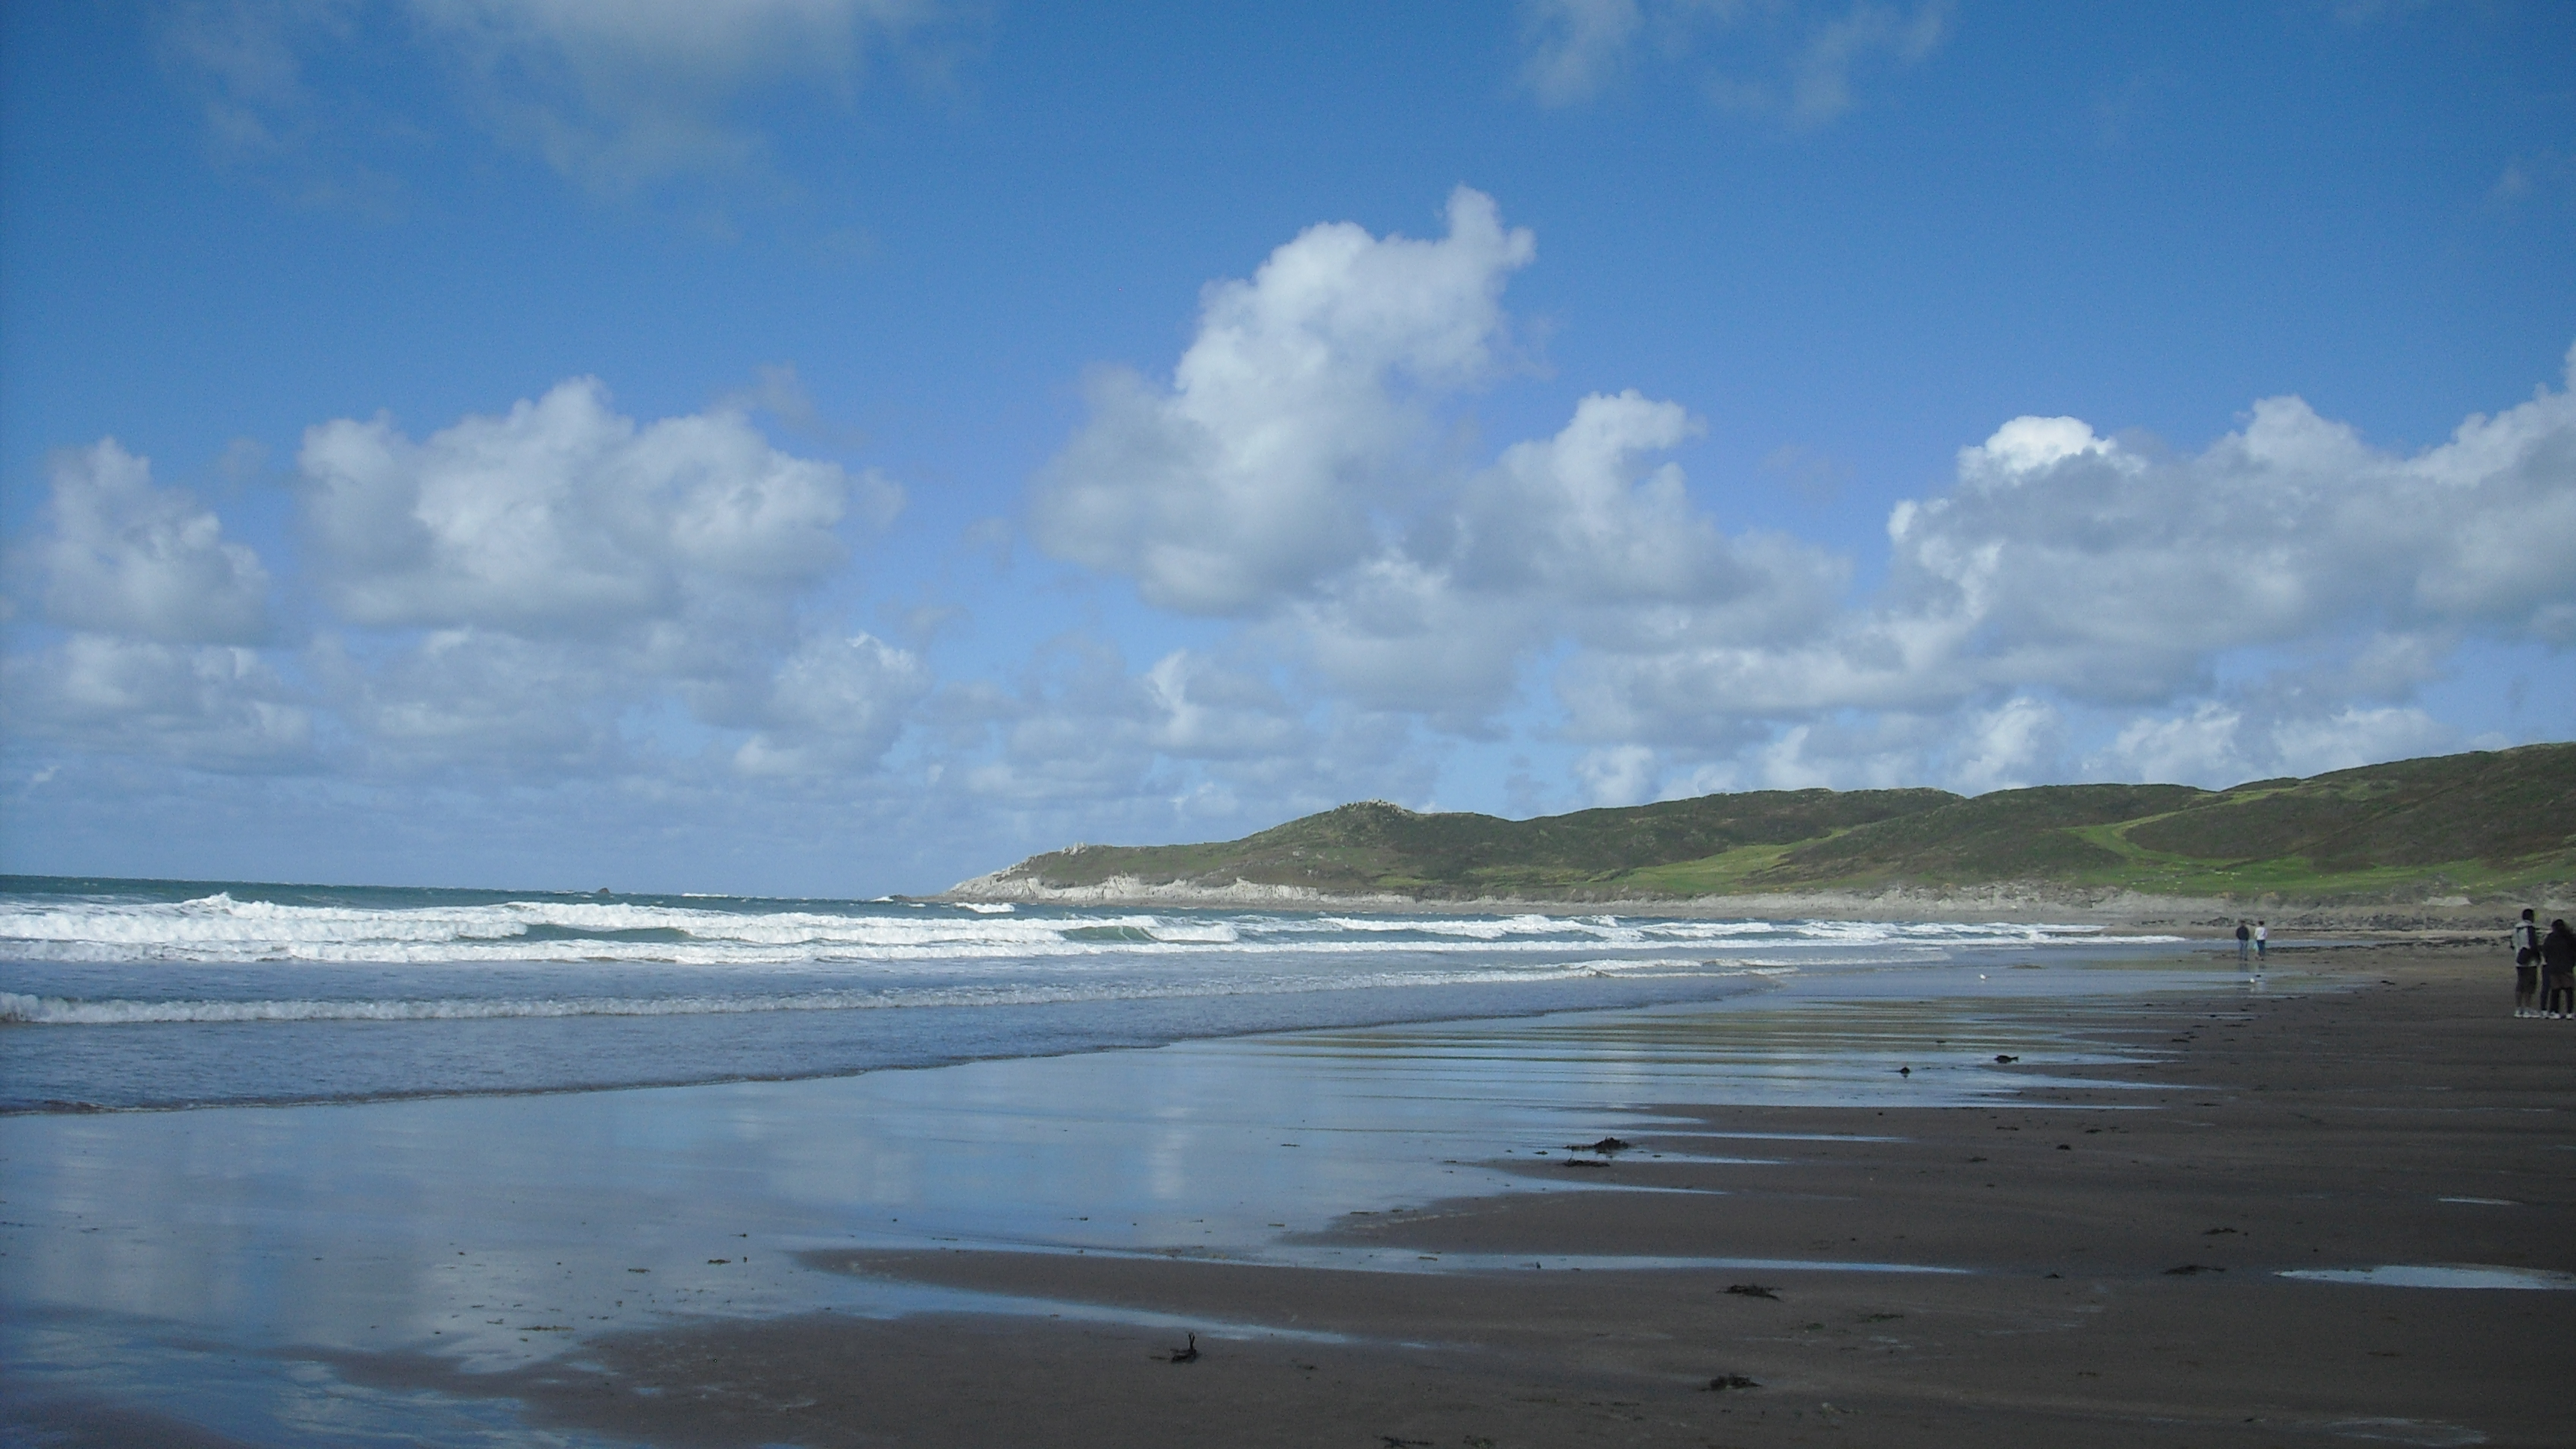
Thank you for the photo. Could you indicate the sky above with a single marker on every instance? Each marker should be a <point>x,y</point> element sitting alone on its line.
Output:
<point>839,447</point>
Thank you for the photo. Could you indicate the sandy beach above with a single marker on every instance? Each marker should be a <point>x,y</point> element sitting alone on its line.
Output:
<point>2121,1278</point>
<point>2090,1245</point>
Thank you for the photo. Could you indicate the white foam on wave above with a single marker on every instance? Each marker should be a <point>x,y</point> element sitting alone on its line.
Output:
<point>22,1009</point>
<point>218,928</point>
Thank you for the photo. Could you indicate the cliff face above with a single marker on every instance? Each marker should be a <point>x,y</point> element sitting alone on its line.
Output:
<point>2455,827</point>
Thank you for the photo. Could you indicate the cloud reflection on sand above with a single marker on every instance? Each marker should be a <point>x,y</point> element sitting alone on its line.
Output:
<point>497,1230</point>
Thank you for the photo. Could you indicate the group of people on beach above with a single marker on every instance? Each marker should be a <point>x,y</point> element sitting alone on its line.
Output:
<point>2255,938</point>
<point>2544,964</point>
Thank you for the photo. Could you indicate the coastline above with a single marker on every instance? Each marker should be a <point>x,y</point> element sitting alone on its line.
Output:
<point>2021,903</point>
<point>2365,1106</point>
<point>2115,1240</point>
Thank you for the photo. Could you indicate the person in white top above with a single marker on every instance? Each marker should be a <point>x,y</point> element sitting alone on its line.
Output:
<point>2526,964</point>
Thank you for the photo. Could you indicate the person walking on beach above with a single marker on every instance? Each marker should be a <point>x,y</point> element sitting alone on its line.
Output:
<point>2526,965</point>
<point>2244,935</point>
<point>2558,972</point>
<point>2262,934</point>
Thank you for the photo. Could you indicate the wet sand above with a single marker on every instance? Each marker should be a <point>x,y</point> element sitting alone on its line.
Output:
<point>2117,1236</point>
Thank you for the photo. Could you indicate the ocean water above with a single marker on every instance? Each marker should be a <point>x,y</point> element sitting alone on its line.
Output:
<point>394,1157</point>
<point>156,994</point>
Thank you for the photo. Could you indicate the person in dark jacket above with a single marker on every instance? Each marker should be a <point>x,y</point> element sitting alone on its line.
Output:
<point>2558,971</point>
<point>2526,965</point>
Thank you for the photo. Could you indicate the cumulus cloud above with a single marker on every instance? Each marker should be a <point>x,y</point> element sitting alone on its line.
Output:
<point>1083,747</point>
<point>480,700</point>
<point>1793,60</point>
<point>1618,775</point>
<point>1586,536</point>
<point>834,704</point>
<point>2074,603</point>
<point>130,559</point>
<point>1293,419</point>
<point>1580,520</point>
<point>556,591</point>
<point>207,706</point>
<point>562,564</point>
<point>1281,479</point>
<point>565,518</point>
<point>2221,742</point>
<point>157,608</point>
<point>1201,710</point>
<point>2016,743</point>
<point>2115,575</point>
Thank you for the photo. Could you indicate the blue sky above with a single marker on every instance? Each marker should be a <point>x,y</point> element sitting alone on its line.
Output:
<point>842,446</point>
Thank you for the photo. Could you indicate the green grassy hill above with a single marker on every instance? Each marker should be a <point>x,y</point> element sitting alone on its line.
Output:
<point>2471,824</point>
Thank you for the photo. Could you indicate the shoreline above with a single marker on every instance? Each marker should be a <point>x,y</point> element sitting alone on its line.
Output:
<point>2122,1227</point>
<point>2370,1105</point>
<point>2012,903</point>
<point>1090,979</point>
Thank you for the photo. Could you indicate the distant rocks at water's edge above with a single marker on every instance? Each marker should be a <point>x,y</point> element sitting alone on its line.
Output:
<point>2408,845</point>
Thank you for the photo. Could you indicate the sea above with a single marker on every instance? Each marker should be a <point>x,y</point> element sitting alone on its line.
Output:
<point>301,1165</point>
<point>135,994</point>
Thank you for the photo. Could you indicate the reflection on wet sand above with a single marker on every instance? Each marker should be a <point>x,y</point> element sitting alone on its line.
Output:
<point>497,1230</point>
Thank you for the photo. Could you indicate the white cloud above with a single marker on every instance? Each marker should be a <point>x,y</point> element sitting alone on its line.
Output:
<point>2069,586</point>
<point>693,44</point>
<point>1075,730</point>
<point>2115,576</point>
<point>2026,445</point>
<point>1820,86</point>
<point>561,592</point>
<point>565,518</point>
<point>1290,423</point>
<point>1619,775</point>
<point>1581,521</point>
<point>2004,748</point>
<point>572,571</point>
<point>159,606</point>
<point>2217,744</point>
<point>616,95</point>
<point>1581,536</point>
<point>834,704</point>
<point>1394,633</point>
<point>1080,726</point>
<point>619,94</point>
<point>1795,60</point>
<point>1081,748</point>
<point>480,699</point>
<point>135,561</point>
<point>2354,736</point>
<point>2071,591</point>
<point>1282,479</point>
<point>1204,711</point>
<point>206,706</point>
<point>2199,746</point>
<point>555,592</point>
<point>1576,45</point>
